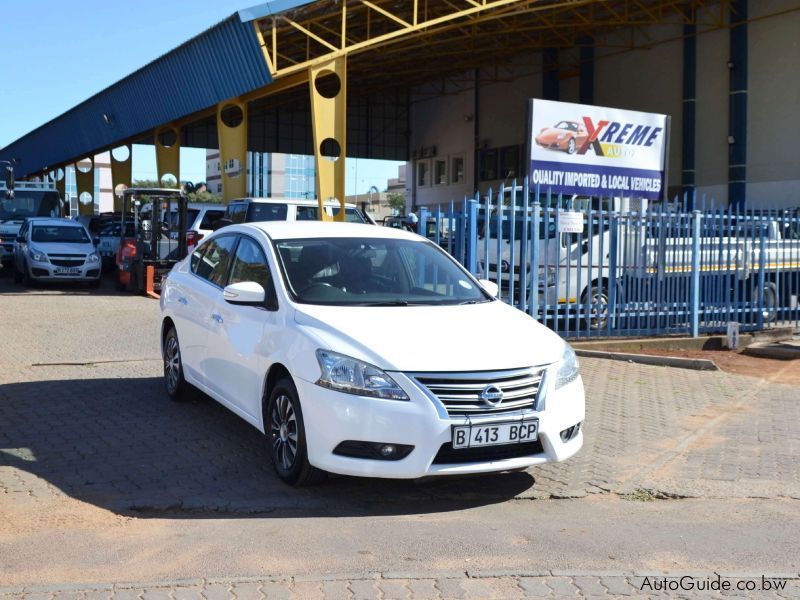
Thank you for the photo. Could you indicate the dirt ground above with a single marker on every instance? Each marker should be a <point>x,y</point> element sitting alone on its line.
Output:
<point>773,370</point>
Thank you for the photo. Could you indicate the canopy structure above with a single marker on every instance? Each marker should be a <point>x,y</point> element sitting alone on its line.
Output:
<point>361,58</point>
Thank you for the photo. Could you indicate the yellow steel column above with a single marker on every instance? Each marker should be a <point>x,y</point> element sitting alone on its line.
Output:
<point>84,180</point>
<point>60,178</point>
<point>232,135</point>
<point>121,172</point>
<point>168,153</point>
<point>328,85</point>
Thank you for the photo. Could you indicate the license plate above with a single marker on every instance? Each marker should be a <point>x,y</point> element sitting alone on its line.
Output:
<point>67,270</point>
<point>495,434</point>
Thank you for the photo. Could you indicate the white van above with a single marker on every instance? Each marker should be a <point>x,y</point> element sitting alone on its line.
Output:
<point>250,210</point>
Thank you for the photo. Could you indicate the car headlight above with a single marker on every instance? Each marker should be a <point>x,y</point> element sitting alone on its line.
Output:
<point>37,255</point>
<point>561,136</point>
<point>93,257</point>
<point>351,376</point>
<point>567,367</point>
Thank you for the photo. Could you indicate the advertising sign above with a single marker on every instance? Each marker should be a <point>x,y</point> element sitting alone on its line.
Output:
<point>570,221</point>
<point>597,151</point>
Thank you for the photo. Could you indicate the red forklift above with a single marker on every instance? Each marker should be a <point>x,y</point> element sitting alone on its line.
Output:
<point>153,238</point>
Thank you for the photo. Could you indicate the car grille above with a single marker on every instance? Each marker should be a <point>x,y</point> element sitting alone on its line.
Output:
<point>460,392</point>
<point>67,260</point>
<point>449,456</point>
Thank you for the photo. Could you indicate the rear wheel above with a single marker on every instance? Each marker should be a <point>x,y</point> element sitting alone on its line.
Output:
<point>597,299</point>
<point>174,383</point>
<point>285,433</point>
<point>17,272</point>
<point>571,146</point>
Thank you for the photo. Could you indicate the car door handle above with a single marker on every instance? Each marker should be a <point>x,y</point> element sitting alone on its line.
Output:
<point>182,300</point>
<point>216,317</point>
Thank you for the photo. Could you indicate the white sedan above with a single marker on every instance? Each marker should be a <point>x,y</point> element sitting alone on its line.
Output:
<point>368,353</point>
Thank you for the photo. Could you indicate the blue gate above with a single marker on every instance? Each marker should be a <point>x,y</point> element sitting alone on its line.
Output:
<point>596,267</point>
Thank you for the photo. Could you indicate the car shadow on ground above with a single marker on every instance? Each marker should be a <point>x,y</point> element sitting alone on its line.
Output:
<point>122,445</point>
<point>58,288</point>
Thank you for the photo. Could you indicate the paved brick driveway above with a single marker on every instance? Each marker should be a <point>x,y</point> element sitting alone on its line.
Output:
<point>84,418</point>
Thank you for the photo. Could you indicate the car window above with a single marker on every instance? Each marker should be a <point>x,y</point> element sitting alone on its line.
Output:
<point>351,215</point>
<point>260,211</point>
<point>307,213</point>
<point>59,234</point>
<point>249,264</point>
<point>211,217</point>
<point>236,213</point>
<point>214,262</point>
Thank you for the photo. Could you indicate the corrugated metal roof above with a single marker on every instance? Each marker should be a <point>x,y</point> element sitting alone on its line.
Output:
<point>220,63</point>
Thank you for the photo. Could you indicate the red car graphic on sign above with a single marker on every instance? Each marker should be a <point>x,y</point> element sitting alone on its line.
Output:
<point>567,136</point>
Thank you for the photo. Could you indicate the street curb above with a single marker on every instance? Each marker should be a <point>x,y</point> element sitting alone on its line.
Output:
<point>773,351</point>
<point>679,362</point>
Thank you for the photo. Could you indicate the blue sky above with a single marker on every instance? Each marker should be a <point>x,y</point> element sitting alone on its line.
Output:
<point>59,53</point>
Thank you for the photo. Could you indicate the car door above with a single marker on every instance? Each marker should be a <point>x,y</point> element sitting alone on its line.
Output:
<point>240,341</point>
<point>196,293</point>
<point>20,247</point>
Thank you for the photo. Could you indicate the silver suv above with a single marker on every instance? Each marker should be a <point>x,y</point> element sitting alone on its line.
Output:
<point>49,249</point>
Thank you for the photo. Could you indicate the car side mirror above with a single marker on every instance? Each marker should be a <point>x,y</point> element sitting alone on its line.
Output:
<point>220,223</point>
<point>490,287</point>
<point>245,293</point>
<point>20,239</point>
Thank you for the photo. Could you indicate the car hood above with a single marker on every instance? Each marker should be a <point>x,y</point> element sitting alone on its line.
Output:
<point>53,248</point>
<point>476,337</point>
<point>552,133</point>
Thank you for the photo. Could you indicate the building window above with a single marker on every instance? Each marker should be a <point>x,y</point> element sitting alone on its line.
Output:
<point>423,173</point>
<point>440,171</point>
<point>509,162</point>
<point>487,164</point>
<point>457,169</point>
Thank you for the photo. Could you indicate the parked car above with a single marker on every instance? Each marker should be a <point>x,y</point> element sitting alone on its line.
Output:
<point>314,333</point>
<point>251,210</point>
<point>564,135</point>
<point>49,249</point>
<point>202,217</point>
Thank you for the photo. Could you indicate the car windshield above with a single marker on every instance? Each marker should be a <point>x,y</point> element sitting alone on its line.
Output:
<point>566,125</point>
<point>373,272</point>
<point>59,234</point>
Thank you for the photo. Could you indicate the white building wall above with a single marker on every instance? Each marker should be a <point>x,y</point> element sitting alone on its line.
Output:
<point>773,163</point>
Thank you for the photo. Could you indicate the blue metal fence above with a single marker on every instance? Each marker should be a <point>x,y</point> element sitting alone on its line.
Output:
<point>592,267</point>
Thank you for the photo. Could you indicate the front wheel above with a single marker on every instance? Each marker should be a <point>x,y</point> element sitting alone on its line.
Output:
<point>285,433</point>
<point>174,383</point>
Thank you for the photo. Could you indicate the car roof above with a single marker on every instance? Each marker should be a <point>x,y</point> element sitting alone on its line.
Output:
<point>54,221</point>
<point>286,230</point>
<point>299,201</point>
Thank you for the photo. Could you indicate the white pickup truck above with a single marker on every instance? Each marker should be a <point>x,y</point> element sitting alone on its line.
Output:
<point>30,199</point>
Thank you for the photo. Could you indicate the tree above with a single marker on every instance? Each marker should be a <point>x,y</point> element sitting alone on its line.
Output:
<point>397,201</point>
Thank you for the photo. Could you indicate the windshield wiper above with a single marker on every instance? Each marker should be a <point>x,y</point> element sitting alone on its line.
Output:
<point>472,302</point>
<point>386,303</point>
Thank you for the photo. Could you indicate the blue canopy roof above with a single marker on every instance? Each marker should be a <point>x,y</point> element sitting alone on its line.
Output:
<point>220,63</point>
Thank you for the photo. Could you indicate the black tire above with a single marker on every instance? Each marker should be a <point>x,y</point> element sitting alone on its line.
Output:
<point>25,276</point>
<point>571,146</point>
<point>285,432</point>
<point>770,309</point>
<point>94,284</point>
<point>118,285</point>
<point>17,272</point>
<point>176,386</point>
<point>598,317</point>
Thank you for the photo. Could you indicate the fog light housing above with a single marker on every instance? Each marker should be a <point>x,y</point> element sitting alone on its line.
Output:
<point>570,432</point>
<point>372,450</point>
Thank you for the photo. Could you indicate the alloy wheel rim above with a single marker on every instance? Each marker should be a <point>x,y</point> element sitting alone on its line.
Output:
<point>283,430</point>
<point>172,363</point>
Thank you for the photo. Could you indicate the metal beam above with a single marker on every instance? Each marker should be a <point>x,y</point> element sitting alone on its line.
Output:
<point>232,135</point>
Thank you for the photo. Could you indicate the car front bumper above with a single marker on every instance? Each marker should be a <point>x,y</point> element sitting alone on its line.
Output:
<point>331,417</point>
<point>45,271</point>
